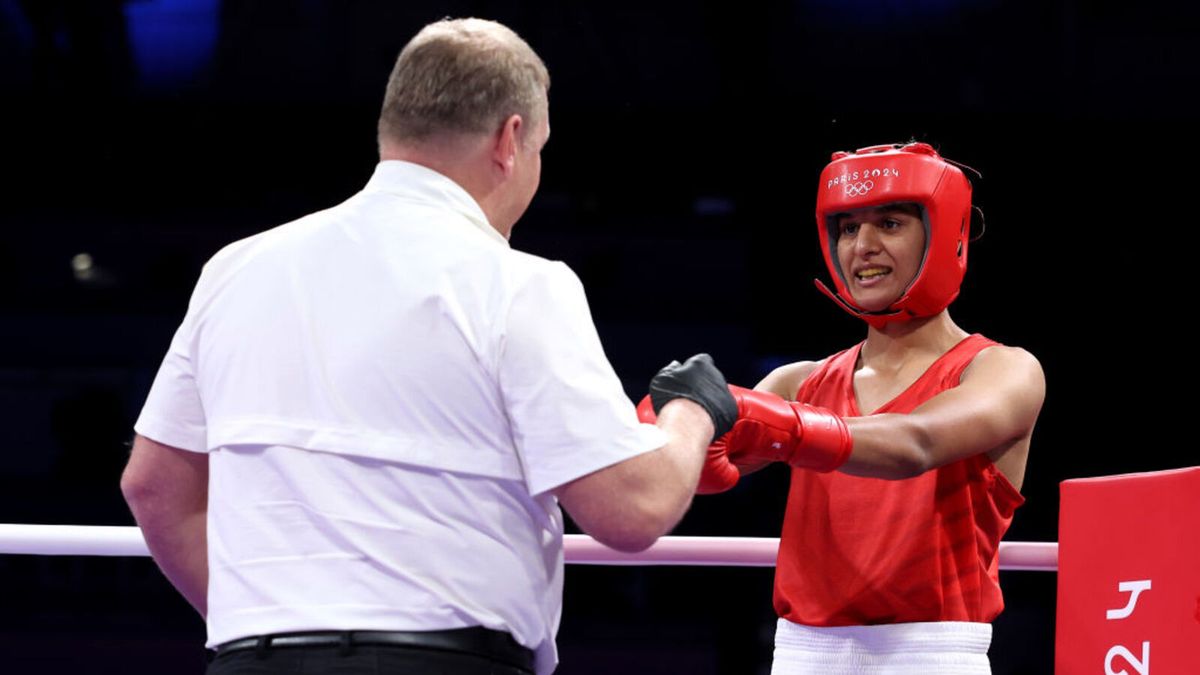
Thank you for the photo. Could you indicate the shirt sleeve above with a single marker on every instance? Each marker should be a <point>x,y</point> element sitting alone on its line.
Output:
<point>568,412</point>
<point>173,414</point>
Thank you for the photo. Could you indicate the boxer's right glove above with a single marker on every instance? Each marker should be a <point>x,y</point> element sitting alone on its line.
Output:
<point>770,428</point>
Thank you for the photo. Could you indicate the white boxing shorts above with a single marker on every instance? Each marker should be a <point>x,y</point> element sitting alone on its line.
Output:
<point>929,648</point>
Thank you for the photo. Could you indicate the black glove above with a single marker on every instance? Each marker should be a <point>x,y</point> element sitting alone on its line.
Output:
<point>696,379</point>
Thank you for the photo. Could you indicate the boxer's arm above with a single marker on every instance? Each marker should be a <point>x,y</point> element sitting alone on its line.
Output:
<point>167,491</point>
<point>996,404</point>
<point>628,505</point>
<point>993,409</point>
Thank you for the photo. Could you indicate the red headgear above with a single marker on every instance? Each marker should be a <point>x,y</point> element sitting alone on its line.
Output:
<point>886,174</point>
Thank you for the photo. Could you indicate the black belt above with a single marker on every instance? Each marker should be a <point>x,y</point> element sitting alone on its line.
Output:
<point>493,644</point>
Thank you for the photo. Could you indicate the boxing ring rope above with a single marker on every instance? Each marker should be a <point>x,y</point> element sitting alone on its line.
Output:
<point>578,549</point>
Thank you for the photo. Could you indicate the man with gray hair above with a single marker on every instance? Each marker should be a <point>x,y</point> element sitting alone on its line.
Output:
<point>354,452</point>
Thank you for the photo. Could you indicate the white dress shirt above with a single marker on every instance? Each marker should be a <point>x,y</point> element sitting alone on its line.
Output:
<point>389,393</point>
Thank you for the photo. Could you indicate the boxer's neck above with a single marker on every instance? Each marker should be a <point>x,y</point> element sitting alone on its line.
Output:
<point>897,342</point>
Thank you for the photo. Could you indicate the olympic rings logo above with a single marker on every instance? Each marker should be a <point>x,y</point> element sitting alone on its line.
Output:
<point>858,189</point>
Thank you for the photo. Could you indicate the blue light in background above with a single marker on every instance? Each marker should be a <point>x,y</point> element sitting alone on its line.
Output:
<point>173,41</point>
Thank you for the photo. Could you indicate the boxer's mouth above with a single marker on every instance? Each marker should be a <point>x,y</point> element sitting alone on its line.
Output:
<point>872,272</point>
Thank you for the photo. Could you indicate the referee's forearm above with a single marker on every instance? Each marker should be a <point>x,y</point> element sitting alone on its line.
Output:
<point>180,549</point>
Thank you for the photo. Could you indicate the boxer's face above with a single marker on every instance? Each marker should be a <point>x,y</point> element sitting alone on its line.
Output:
<point>880,251</point>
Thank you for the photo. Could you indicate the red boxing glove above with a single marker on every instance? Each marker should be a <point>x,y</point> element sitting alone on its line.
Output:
<point>770,428</point>
<point>718,474</point>
<point>645,411</point>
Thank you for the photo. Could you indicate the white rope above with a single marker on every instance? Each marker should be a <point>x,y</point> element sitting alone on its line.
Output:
<point>579,549</point>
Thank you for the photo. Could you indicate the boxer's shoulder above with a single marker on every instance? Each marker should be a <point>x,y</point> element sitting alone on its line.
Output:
<point>786,380</point>
<point>1004,361</point>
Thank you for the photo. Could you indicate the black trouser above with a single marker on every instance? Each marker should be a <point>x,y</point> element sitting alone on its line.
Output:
<point>347,654</point>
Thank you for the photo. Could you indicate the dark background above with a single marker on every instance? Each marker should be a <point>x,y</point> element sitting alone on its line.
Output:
<point>679,184</point>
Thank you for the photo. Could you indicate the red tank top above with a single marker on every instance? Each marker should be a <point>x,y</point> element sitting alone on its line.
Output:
<point>862,551</point>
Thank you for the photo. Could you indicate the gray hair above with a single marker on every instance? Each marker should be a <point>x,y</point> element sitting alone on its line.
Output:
<point>462,76</point>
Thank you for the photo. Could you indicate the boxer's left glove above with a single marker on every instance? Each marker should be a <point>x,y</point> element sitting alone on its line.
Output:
<point>696,379</point>
<point>772,429</point>
<point>718,473</point>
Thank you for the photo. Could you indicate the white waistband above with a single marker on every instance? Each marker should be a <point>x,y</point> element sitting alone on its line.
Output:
<point>930,647</point>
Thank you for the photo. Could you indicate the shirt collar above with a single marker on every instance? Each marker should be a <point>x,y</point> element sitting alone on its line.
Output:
<point>420,183</point>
